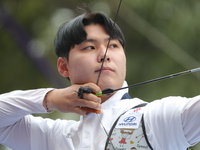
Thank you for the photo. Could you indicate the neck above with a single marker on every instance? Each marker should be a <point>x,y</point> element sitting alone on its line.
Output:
<point>105,98</point>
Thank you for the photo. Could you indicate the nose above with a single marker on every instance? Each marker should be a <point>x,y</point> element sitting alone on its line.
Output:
<point>103,55</point>
<point>104,59</point>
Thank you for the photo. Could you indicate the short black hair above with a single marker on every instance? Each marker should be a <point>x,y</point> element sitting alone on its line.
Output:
<point>72,33</point>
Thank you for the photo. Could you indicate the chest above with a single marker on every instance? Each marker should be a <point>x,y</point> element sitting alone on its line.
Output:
<point>93,129</point>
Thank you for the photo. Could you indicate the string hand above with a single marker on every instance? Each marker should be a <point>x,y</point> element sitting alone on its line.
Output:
<point>83,90</point>
<point>74,99</point>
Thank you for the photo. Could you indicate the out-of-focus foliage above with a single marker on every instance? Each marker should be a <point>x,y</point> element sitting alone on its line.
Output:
<point>163,37</point>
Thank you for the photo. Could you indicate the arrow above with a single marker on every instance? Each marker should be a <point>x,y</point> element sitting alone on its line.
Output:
<point>110,91</point>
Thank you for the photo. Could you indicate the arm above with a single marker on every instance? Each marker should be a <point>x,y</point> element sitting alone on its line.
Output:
<point>14,127</point>
<point>191,120</point>
<point>16,106</point>
<point>173,122</point>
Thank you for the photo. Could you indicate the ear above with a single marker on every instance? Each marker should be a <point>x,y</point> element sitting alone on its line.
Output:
<point>62,66</point>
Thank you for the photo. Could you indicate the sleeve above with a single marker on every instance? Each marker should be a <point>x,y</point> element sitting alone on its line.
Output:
<point>173,122</point>
<point>15,110</point>
<point>191,120</point>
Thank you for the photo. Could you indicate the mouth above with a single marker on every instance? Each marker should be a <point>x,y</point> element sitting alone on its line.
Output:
<point>105,69</point>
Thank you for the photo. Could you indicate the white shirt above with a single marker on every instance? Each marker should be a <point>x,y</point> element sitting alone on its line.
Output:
<point>171,123</point>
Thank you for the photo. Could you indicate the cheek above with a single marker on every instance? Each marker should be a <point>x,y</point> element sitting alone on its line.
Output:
<point>80,69</point>
<point>77,72</point>
<point>76,62</point>
<point>121,63</point>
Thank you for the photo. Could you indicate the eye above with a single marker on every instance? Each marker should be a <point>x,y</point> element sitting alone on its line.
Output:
<point>113,46</point>
<point>88,48</point>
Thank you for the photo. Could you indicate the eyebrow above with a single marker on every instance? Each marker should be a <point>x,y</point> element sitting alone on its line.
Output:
<point>94,41</point>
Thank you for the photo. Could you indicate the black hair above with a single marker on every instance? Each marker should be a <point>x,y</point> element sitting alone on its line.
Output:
<point>72,32</point>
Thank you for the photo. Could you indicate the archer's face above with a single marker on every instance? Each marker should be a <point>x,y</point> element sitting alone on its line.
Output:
<point>85,60</point>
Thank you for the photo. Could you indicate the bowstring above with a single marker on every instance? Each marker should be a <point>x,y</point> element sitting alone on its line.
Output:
<point>98,78</point>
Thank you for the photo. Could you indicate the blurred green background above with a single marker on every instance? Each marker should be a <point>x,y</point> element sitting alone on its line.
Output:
<point>163,37</point>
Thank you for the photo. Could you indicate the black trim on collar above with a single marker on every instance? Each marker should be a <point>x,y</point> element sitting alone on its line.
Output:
<point>126,96</point>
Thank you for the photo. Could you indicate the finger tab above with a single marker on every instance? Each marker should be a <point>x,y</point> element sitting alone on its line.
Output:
<point>83,90</point>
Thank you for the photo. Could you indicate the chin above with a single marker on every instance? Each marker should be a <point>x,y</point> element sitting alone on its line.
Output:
<point>107,85</point>
<point>109,82</point>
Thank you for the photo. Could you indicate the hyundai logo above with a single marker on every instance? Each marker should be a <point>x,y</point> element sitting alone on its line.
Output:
<point>130,119</point>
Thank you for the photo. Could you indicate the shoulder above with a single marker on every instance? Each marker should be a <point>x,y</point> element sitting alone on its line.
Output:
<point>170,104</point>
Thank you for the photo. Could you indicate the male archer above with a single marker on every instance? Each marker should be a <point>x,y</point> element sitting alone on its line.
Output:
<point>80,45</point>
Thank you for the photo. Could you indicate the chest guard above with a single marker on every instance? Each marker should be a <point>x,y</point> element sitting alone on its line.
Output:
<point>128,131</point>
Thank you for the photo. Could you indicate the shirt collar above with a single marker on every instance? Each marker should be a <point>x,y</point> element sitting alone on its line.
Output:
<point>126,96</point>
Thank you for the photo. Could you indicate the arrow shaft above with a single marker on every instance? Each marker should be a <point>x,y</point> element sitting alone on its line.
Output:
<point>158,79</point>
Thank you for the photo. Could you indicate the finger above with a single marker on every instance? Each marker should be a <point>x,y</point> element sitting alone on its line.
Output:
<point>95,88</point>
<point>92,97</point>
<point>91,110</point>
<point>87,103</point>
<point>80,111</point>
<point>85,110</point>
